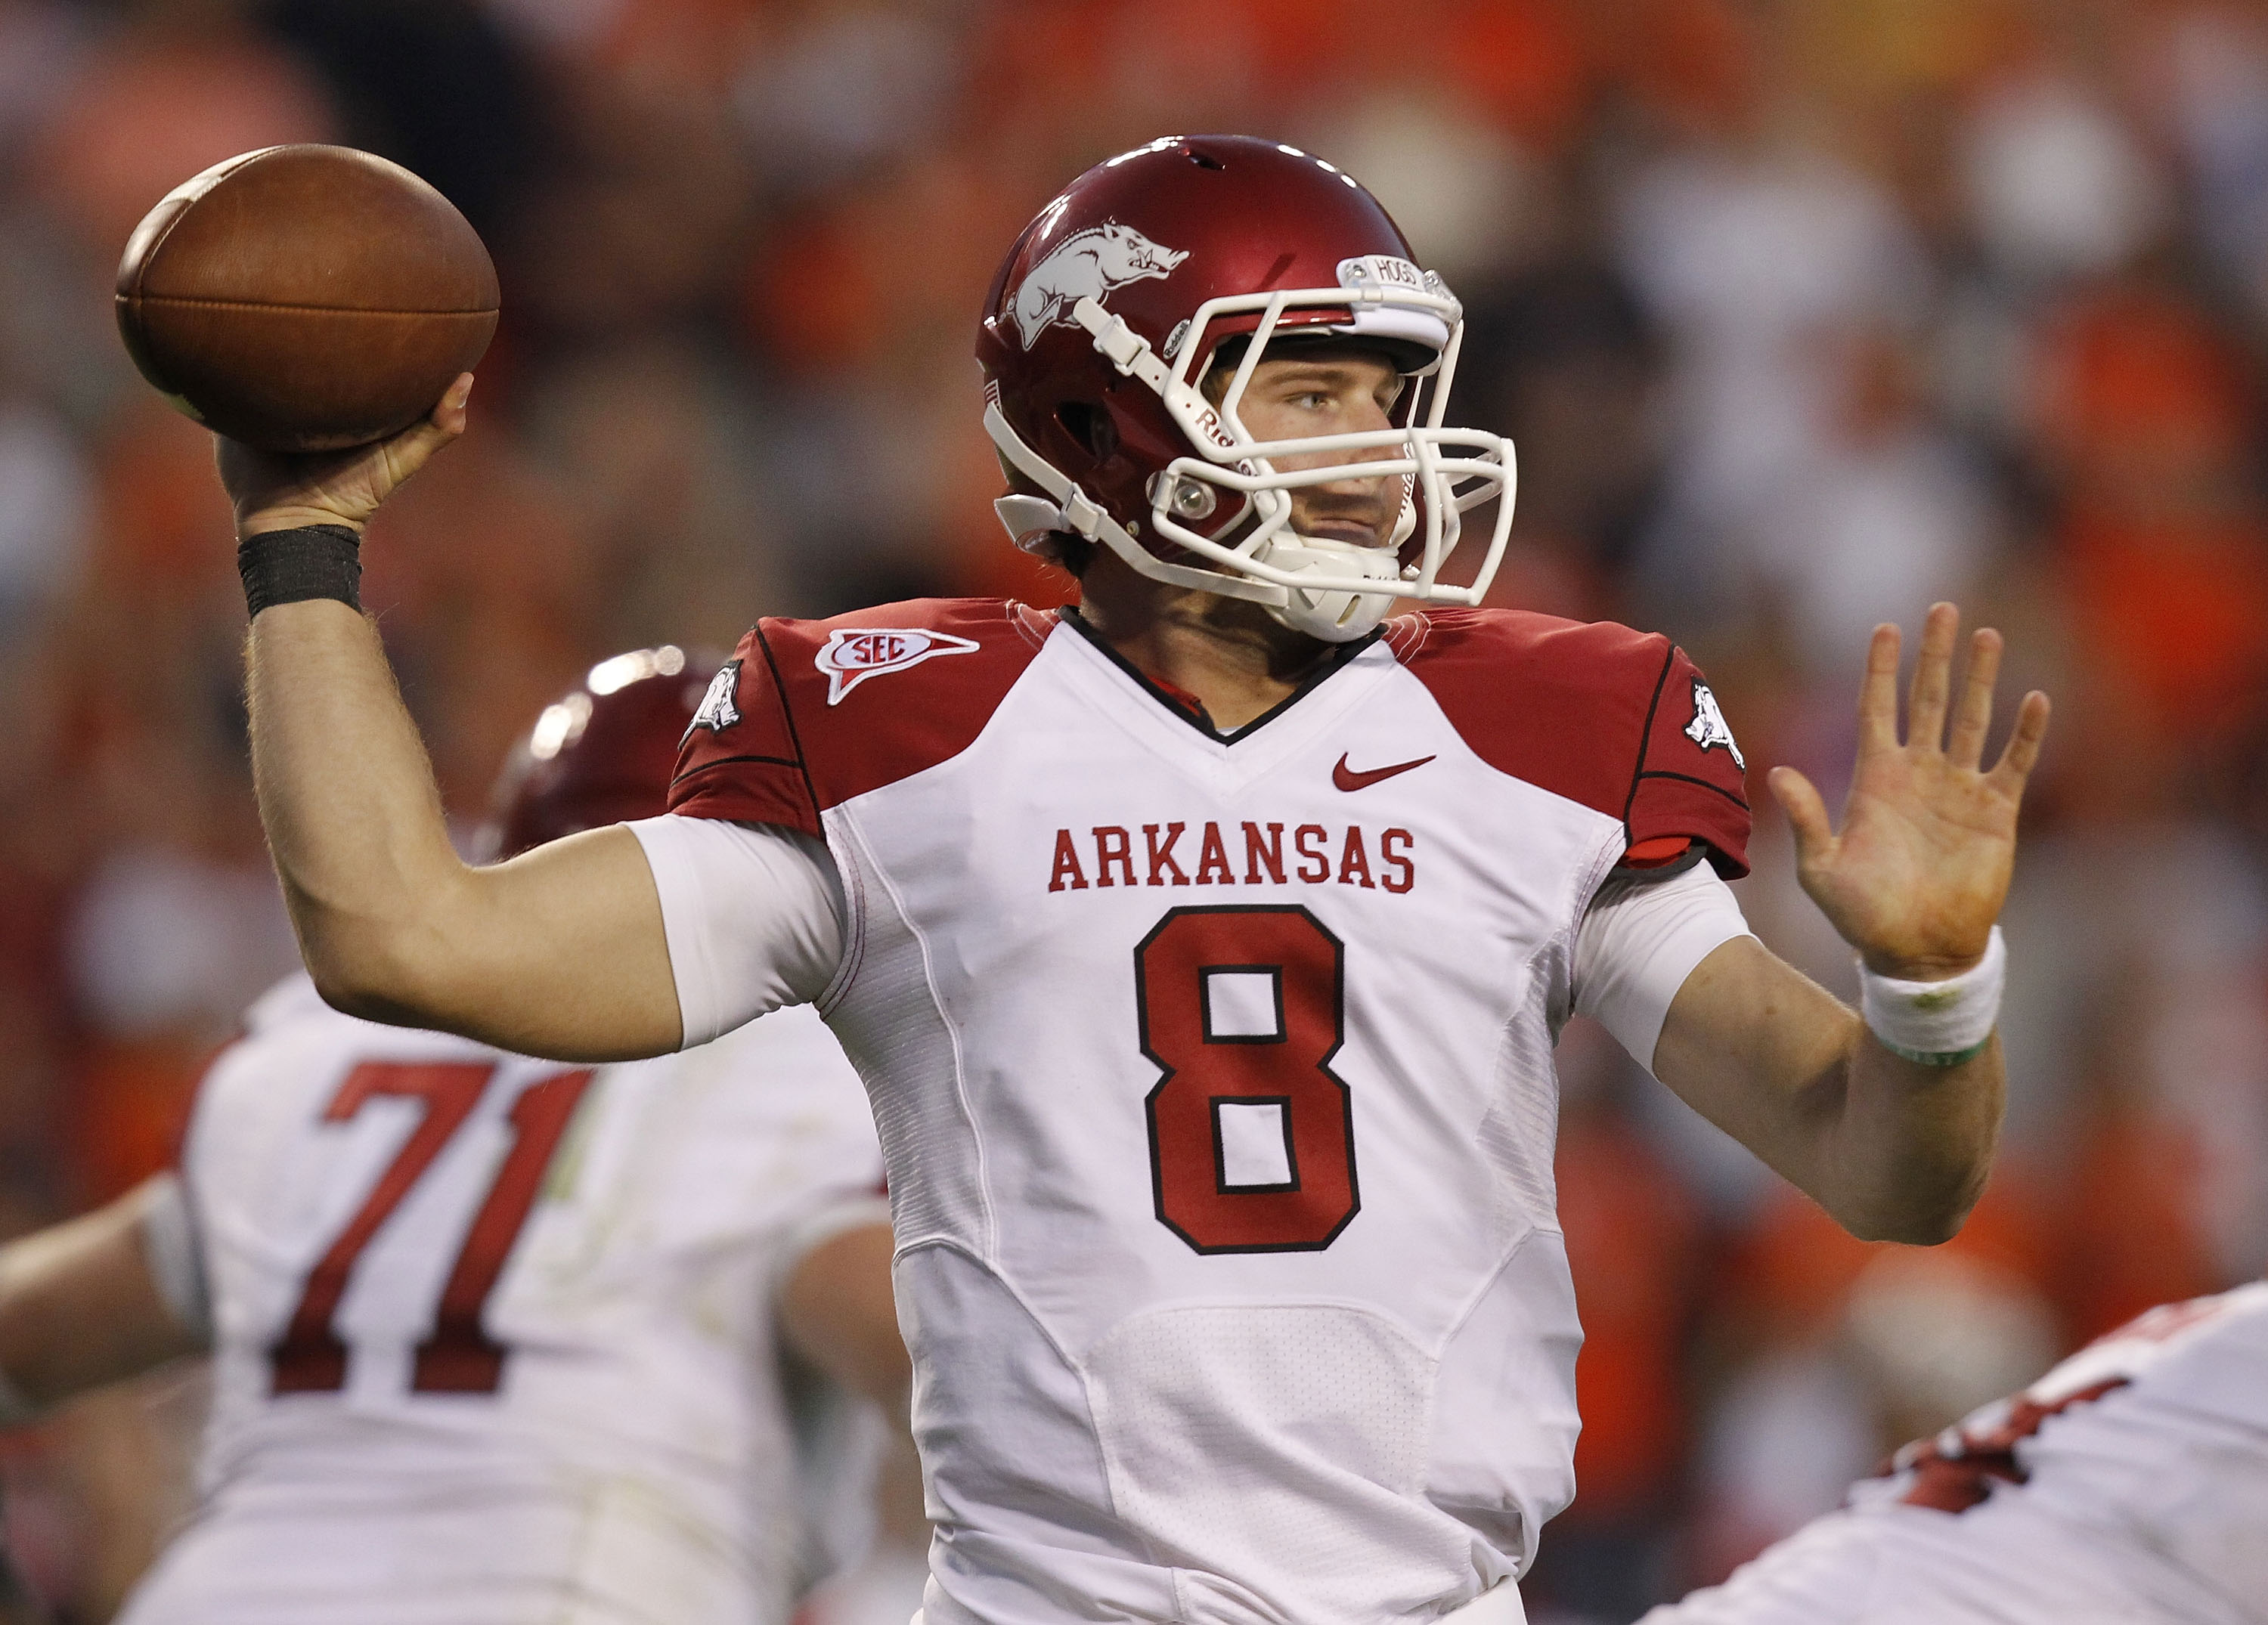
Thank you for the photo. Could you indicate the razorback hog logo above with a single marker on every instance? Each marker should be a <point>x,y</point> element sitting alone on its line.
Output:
<point>1709,727</point>
<point>1088,266</point>
<point>852,655</point>
<point>716,711</point>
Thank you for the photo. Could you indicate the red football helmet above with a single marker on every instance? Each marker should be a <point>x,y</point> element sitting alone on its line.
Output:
<point>1115,302</point>
<point>603,754</point>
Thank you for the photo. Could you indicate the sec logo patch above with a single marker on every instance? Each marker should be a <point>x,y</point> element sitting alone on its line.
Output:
<point>852,655</point>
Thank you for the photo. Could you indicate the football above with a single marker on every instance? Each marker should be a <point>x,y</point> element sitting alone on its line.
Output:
<point>305,298</point>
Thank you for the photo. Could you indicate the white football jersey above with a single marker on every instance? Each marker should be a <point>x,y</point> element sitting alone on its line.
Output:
<point>1214,1074</point>
<point>2130,1484</point>
<point>493,1339</point>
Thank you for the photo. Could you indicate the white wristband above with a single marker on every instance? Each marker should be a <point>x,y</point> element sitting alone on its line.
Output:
<point>1937,1022</point>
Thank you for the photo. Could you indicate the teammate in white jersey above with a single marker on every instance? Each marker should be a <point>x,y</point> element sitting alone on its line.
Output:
<point>2129,1485</point>
<point>1203,950</point>
<point>495,1340</point>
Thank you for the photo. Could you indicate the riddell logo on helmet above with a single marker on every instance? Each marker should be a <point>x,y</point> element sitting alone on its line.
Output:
<point>1087,264</point>
<point>853,655</point>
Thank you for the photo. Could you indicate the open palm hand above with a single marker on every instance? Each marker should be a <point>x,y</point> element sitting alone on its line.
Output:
<point>1916,876</point>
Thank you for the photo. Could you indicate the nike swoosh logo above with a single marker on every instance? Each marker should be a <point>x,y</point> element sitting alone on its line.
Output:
<point>1348,778</point>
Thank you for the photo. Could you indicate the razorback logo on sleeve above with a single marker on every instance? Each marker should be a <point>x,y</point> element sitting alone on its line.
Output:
<point>853,654</point>
<point>741,758</point>
<point>1708,729</point>
<point>1691,778</point>
<point>716,711</point>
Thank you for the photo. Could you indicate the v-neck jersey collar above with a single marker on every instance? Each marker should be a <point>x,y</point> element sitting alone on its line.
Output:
<point>1188,708</point>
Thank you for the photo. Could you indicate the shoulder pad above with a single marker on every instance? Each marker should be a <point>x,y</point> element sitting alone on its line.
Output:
<point>808,714</point>
<point>1619,720</point>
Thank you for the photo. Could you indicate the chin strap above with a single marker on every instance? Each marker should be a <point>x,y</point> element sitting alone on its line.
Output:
<point>1123,348</point>
<point>1030,520</point>
<point>1336,617</point>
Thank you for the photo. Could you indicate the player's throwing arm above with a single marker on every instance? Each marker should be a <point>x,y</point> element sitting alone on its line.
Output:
<point>1887,1117</point>
<point>560,952</point>
<point>247,296</point>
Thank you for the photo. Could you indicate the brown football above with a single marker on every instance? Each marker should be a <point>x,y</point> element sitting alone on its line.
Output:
<point>305,298</point>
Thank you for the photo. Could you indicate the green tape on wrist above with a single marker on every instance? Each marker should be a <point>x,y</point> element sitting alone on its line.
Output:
<point>1923,1057</point>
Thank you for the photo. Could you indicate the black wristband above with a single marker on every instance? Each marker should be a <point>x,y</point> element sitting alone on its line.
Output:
<point>289,567</point>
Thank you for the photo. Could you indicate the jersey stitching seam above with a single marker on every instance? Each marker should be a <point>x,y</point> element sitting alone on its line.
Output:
<point>1464,1317</point>
<point>720,761</point>
<point>1479,1295</point>
<point>1601,869</point>
<point>1646,736</point>
<point>960,1063</point>
<point>1664,773</point>
<point>854,950</point>
<point>794,736</point>
<point>1076,1368</point>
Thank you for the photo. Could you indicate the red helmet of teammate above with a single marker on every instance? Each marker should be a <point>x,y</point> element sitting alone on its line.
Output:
<point>602,753</point>
<point>1115,304</point>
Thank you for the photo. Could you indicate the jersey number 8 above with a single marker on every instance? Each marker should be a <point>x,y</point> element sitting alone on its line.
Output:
<point>1251,1134</point>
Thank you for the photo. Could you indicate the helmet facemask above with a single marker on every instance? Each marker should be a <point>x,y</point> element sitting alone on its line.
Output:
<point>1224,511</point>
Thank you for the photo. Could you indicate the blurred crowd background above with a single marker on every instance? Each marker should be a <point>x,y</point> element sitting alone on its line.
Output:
<point>1803,314</point>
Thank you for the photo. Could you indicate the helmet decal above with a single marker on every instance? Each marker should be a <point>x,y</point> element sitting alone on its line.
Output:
<point>1087,264</point>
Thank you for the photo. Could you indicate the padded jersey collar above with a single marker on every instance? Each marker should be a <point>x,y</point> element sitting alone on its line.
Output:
<point>1187,706</point>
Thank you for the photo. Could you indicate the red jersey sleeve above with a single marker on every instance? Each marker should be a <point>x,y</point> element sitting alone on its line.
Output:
<point>741,758</point>
<point>1618,720</point>
<point>1691,779</point>
<point>811,713</point>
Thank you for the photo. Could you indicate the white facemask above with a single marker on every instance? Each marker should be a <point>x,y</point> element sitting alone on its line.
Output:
<point>1329,590</point>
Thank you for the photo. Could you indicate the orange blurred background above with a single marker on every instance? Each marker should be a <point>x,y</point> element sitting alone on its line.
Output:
<point>1803,312</point>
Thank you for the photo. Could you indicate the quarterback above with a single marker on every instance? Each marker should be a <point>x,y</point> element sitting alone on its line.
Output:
<point>1202,949</point>
<point>495,1340</point>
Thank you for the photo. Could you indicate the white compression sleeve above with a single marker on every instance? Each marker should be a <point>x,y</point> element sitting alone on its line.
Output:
<point>754,913</point>
<point>1638,942</point>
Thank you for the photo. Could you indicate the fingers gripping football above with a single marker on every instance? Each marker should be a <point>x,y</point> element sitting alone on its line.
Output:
<point>1918,872</point>
<point>273,490</point>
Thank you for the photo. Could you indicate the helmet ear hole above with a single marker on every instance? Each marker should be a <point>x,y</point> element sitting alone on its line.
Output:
<point>1091,426</point>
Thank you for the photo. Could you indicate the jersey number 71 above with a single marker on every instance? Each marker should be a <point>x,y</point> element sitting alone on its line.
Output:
<point>457,1355</point>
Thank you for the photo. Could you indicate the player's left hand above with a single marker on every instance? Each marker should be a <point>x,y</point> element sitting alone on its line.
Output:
<point>1916,876</point>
